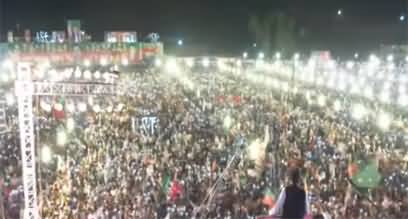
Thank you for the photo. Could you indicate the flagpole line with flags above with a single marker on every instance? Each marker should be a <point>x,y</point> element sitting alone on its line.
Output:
<point>363,195</point>
<point>210,195</point>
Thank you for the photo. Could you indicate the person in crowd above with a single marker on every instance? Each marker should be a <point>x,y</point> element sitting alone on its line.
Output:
<point>292,202</point>
<point>188,146</point>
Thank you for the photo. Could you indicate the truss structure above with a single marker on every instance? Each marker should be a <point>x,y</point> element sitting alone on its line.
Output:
<point>25,90</point>
<point>3,122</point>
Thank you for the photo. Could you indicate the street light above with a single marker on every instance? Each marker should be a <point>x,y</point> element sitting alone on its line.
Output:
<point>180,42</point>
<point>245,55</point>
<point>278,55</point>
<point>296,56</point>
<point>206,62</point>
<point>261,55</point>
<point>402,18</point>
<point>339,12</point>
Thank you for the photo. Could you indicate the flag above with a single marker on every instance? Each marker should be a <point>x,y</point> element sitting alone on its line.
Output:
<point>269,198</point>
<point>367,176</point>
<point>175,190</point>
<point>58,109</point>
<point>166,182</point>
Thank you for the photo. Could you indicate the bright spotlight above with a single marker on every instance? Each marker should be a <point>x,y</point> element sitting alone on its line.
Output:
<point>259,63</point>
<point>295,90</point>
<point>180,42</point>
<point>171,65</point>
<point>309,97</point>
<point>374,59</point>
<point>119,107</point>
<point>359,111</point>
<point>296,56</point>
<point>341,85</point>
<point>87,63</point>
<point>390,58</point>
<point>319,81</point>
<point>4,77</point>
<point>46,156</point>
<point>337,105</point>
<point>391,66</point>
<point>77,73</point>
<point>70,107</point>
<point>331,64</point>
<point>70,124</point>
<point>39,73</point>
<point>261,55</point>
<point>190,63</point>
<point>96,108</point>
<point>401,89</point>
<point>97,74</point>
<point>157,62</point>
<point>355,89</point>
<point>61,138</point>
<point>10,100</point>
<point>58,107</point>
<point>356,55</point>
<point>125,62</point>
<point>8,64</point>
<point>239,63</point>
<point>350,65</point>
<point>321,100</point>
<point>87,75</point>
<point>45,106</point>
<point>385,97</point>
<point>104,61</point>
<point>206,62</point>
<point>67,73</point>
<point>227,122</point>
<point>278,55</point>
<point>368,92</point>
<point>285,86</point>
<point>339,12</point>
<point>384,120</point>
<point>245,55</point>
<point>403,100</point>
<point>82,107</point>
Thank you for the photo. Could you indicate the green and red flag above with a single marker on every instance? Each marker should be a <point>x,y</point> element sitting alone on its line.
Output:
<point>166,182</point>
<point>269,198</point>
<point>367,175</point>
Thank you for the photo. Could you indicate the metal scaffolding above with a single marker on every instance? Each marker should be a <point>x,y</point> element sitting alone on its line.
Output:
<point>25,90</point>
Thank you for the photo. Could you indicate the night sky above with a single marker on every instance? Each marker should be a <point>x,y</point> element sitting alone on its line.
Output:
<point>365,24</point>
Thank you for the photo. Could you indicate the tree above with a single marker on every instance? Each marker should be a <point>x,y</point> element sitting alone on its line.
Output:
<point>274,31</point>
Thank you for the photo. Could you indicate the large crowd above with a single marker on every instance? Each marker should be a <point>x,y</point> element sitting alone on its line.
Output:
<point>202,144</point>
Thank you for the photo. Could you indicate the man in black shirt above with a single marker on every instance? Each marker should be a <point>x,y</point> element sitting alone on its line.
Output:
<point>292,202</point>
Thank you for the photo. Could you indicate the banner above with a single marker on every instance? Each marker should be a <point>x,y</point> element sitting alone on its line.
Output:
<point>68,53</point>
<point>146,125</point>
<point>120,37</point>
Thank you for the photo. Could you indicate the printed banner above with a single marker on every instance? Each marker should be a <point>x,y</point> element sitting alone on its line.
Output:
<point>146,125</point>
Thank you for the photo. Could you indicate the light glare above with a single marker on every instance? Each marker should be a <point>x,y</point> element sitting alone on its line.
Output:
<point>46,154</point>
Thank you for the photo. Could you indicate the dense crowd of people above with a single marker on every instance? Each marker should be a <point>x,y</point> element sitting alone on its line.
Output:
<point>202,144</point>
